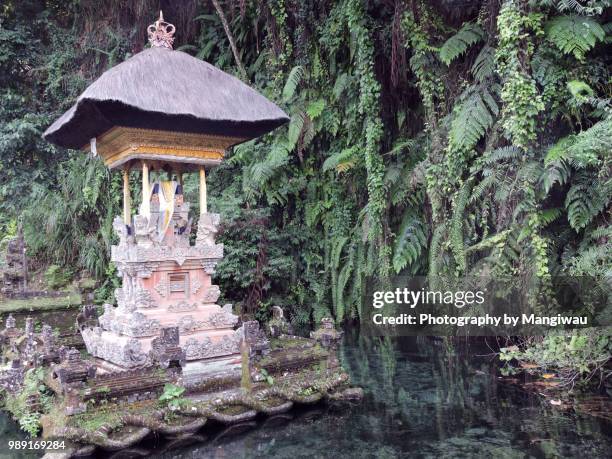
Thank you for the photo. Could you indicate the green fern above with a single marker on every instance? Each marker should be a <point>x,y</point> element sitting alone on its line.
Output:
<point>509,153</point>
<point>457,222</point>
<point>340,85</point>
<point>341,161</point>
<point>474,116</point>
<point>458,44</point>
<point>484,65</point>
<point>558,171</point>
<point>574,34</point>
<point>342,279</point>
<point>315,109</point>
<point>409,242</point>
<point>481,189</point>
<point>437,255</point>
<point>296,125</point>
<point>584,149</point>
<point>277,157</point>
<point>579,89</point>
<point>586,198</point>
<point>547,216</point>
<point>293,80</point>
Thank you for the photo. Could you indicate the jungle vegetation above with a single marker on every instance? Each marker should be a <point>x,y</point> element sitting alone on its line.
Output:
<point>436,138</point>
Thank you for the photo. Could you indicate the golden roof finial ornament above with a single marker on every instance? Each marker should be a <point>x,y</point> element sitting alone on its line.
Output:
<point>161,33</point>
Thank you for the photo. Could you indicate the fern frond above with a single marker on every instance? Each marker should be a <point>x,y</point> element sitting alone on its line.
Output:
<point>343,277</point>
<point>342,161</point>
<point>458,44</point>
<point>481,188</point>
<point>278,156</point>
<point>293,80</point>
<point>475,115</point>
<point>315,108</point>
<point>457,221</point>
<point>509,153</point>
<point>586,198</point>
<point>585,148</point>
<point>436,254</point>
<point>484,65</point>
<point>409,242</point>
<point>600,233</point>
<point>557,171</point>
<point>295,128</point>
<point>547,216</point>
<point>574,34</point>
<point>340,85</point>
<point>401,145</point>
<point>575,5</point>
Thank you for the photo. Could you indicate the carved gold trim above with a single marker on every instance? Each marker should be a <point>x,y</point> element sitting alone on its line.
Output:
<point>162,154</point>
<point>121,144</point>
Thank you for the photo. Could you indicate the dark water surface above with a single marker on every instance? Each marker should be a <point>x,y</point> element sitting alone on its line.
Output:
<point>422,399</point>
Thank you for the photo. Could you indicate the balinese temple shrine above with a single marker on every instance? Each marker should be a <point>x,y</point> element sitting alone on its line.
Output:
<point>165,114</point>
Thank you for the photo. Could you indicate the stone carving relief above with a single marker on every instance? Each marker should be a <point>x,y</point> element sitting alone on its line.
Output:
<point>144,299</point>
<point>221,319</point>
<point>207,229</point>
<point>158,253</point>
<point>255,338</point>
<point>132,324</point>
<point>162,288</point>
<point>137,324</point>
<point>196,285</point>
<point>206,348</point>
<point>182,306</point>
<point>120,230</point>
<point>165,348</point>
<point>128,355</point>
<point>143,232</point>
<point>10,322</point>
<point>209,266</point>
<point>212,294</point>
<point>142,253</point>
<point>181,254</point>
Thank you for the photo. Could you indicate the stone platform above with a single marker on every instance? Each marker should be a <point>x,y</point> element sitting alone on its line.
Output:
<point>166,285</point>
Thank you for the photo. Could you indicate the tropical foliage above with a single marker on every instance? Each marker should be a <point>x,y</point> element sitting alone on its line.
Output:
<point>425,139</point>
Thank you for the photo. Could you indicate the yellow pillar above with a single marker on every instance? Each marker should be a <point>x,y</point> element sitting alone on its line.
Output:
<point>146,192</point>
<point>127,204</point>
<point>203,204</point>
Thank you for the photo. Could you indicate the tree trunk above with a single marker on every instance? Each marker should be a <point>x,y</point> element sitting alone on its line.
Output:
<point>230,37</point>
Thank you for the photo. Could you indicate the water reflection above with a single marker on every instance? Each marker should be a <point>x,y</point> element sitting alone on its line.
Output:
<point>424,398</point>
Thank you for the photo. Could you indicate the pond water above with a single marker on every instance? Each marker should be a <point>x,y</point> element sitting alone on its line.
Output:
<point>60,318</point>
<point>422,399</point>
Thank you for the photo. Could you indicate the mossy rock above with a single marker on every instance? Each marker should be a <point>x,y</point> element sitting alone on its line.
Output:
<point>233,410</point>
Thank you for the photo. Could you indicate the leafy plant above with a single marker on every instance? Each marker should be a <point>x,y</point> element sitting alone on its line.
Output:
<point>474,115</point>
<point>455,46</point>
<point>19,404</point>
<point>57,277</point>
<point>579,357</point>
<point>171,396</point>
<point>574,34</point>
<point>267,376</point>
<point>410,242</point>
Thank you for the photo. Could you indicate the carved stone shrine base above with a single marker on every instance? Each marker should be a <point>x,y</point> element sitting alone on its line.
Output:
<point>166,285</point>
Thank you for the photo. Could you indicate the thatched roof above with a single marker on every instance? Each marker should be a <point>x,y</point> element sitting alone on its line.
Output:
<point>159,88</point>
